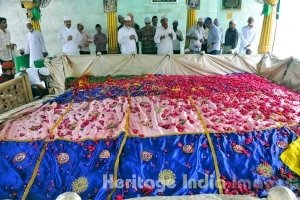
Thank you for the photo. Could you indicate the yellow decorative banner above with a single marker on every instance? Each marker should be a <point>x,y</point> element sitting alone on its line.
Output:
<point>291,156</point>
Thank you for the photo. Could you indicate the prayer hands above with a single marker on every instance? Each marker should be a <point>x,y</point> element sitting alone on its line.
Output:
<point>170,35</point>
<point>10,46</point>
<point>247,46</point>
<point>162,37</point>
<point>132,37</point>
<point>70,37</point>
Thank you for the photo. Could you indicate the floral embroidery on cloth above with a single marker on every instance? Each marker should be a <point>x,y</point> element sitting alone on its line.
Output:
<point>146,156</point>
<point>20,157</point>
<point>63,158</point>
<point>80,185</point>
<point>265,170</point>
<point>167,177</point>
<point>104,154</point>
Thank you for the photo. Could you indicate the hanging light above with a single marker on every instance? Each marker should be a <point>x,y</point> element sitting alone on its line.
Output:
<point>28,4</point>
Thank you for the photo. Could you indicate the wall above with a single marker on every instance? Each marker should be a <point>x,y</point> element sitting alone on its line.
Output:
<point>287,41</point>
<point>91,13</point>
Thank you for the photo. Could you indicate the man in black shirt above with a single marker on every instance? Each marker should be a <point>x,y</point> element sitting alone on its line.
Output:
<point>231,38</point>
<point>121,21</point>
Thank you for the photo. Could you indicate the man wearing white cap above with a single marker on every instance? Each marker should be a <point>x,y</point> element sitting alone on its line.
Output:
<point>38,79</point>
<point>231,38</point>
<point>147,37</point>
<point>136,28</point>
<point>163,38</point>
<point>196,36</point>
<point>248,37</point>
<point>35,45</point>
<point>127,37</point>
<point>69,38</point>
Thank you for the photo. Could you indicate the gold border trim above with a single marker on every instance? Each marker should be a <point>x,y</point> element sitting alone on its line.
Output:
<point>213,152</point>
<point>59,120</point>
<point>117,162</point>
<point>35,171</point>
<point>43,151</point>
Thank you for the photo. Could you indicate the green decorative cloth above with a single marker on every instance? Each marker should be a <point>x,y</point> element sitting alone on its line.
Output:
<point>36,13</point>
<point>267,9</point>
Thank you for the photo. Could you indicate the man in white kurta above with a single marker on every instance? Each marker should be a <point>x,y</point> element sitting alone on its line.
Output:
<point>35,45</point>
<point>164,36</point>
<point>196,36</point>
<point>127,37</point>
<point>69,38</point>
<point>248,35</point>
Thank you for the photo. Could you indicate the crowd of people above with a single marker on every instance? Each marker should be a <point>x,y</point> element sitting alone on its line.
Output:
<point>39,78</point>
<point>34,48</point>
<point>206,36</point>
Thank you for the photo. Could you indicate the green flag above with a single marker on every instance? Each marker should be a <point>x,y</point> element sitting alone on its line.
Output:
<point>267,9</point>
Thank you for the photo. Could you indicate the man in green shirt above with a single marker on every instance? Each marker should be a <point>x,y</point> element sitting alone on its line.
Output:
<point>147,37</point>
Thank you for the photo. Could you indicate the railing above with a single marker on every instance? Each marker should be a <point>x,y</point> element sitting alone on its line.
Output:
<point>15,93</point>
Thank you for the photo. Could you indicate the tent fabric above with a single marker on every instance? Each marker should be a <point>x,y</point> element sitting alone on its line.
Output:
<point>273,68</point>
<point>57,75</point>
<point>292,76</point>
<point>281,71</point>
